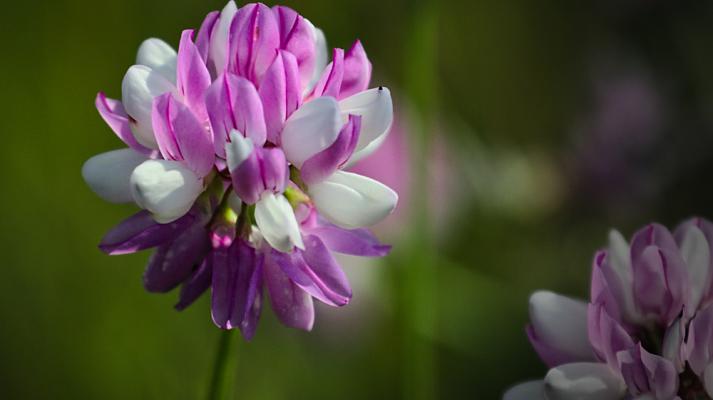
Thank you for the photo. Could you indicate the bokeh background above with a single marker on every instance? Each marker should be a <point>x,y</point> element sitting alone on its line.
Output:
<point>526,130</point>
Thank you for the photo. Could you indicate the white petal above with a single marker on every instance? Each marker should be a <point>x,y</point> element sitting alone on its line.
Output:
<point>532,390</point>
<point>569,333</point>
<point>165,188</point>
<point>352,201</point>
<point>310,129</point>
<point>366,151</point>
<point>219,40</point>
<point>140,85</point>
<point>583,381</point>
<point>107,174</point>
<point>376,110</point>
<point>620,261</point>
<point>672,341</point>
<point>159,56</point>
<point>696,254</point>
<point>237,150</point>
<point>278,225</point>
<point>321,57</point>
<point>708,379</point>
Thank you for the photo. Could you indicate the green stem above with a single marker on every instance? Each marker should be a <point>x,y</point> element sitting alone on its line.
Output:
<point>217,389</point>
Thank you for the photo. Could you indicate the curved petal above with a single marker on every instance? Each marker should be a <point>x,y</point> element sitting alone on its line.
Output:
<point>138,89</point>
<point>280,93</point>
<point>356,242</point>
<point>254,39</point>
<point>696,254</point>
<point>165,188</point>
<point>196,284</point>
<point>180,136</point>
<point>311,129</point>
<point>218,51</point>
<point>376,110</point>
<point>292,305</point>
<point>112,112</point>
<point>357,71</point>
<point>583,381</point>
<point>173,263</point>
<point>141,231</point>
<point>617,270</point>
<point>699,341</point>
<point>159,56</point>
<point>532,390</point>
<point>205,33</point>
<point>297,37</point>
<point>193,77</point>
<point>321,57</point>
<point>349,200</point>
<point>278,225</point>
<point>565,337</point>
<point>646,373</point>
<point>107,174</point>
<point>330,83</point>
<point>234,103</point>
<point>323,164</point>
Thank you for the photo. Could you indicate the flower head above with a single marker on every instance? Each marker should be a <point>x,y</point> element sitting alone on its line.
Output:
<point>647,331</point>
<point>237,145</point>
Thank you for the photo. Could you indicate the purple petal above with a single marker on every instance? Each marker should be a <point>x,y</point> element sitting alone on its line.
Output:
<point>247,181</point>
<point>274,169</point>
<point>606,335</point>
<point>196,284</point>
<point>323,164</point>
<point>652,235</point>
<point>316,272</point>
<point>297,37</point>
<point>330,82</point>
<point>254,39</point>
<point>173,263</point>
<point>646,373</point>
<point>235,281</point>
<point>112,111</point>
<point>204,34</point>
<point>192,76</point>
<point>357,71</point>
<point>233,103</point>
<point>356,242</point>
<point>292,305</point>
<point>140,232</point>
<point>280,93</point>
<point>180,136</point>
<point>659,285</point>
<point>699,344</point>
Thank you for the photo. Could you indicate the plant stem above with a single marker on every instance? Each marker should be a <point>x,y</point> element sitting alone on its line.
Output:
<point>217,388</point>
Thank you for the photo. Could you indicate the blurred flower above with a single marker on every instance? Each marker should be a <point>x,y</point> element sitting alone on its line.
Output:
<point>237,144</point>
<point>647,329</point>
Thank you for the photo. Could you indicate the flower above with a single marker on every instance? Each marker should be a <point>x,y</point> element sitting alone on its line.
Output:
<point>647,331</point>
<point>236,149</point>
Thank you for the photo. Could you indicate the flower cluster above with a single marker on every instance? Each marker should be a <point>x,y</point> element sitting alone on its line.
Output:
<point>647,332</point>
<point>237,145</point>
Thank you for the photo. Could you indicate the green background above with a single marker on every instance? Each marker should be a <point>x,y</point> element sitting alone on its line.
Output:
<point>504,84</point>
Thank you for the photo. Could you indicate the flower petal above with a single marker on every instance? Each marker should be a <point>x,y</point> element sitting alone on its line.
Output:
<point>356,242</point>
<point>180,136</point>
<point>297,37</point>
<point>193,77</point>
<point>583,381</point>
<point>254,39</point>
<point>374,105</point>
<point>699,342</point>
<point>532,390</point>
<point>165,188</point>
<point>205,33</point>
<point>233,103</point>
<point>107,174</point>
<point>646,373</point>
<point>112,112</point>
<point>276,220</point>
<point>196,284</point>
<point>140,232</point>
<point>617,270</point>
<point>708,379</point>
<point>311,129</point>
<point>321,57</point>
<point>159,56</point>
<point>323,164</point>
<point>292,305</point>
<point>330,82</point>
<point>173,263</point>
<point>353,201</point>
<point>280,93</point>
<point>696,254</point>
<point>140,85</point>
<point>565,339</point>
<point>357,71</point>
<point>218,51</point>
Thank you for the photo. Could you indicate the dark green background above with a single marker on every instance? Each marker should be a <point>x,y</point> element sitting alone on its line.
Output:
<point>447,308</point>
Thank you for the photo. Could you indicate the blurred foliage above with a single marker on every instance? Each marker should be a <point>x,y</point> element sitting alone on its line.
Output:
<point>505,83</point>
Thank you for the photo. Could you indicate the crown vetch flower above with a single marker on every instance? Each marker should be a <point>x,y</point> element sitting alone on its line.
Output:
<point>647,332</point>
<point>236,150</point>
